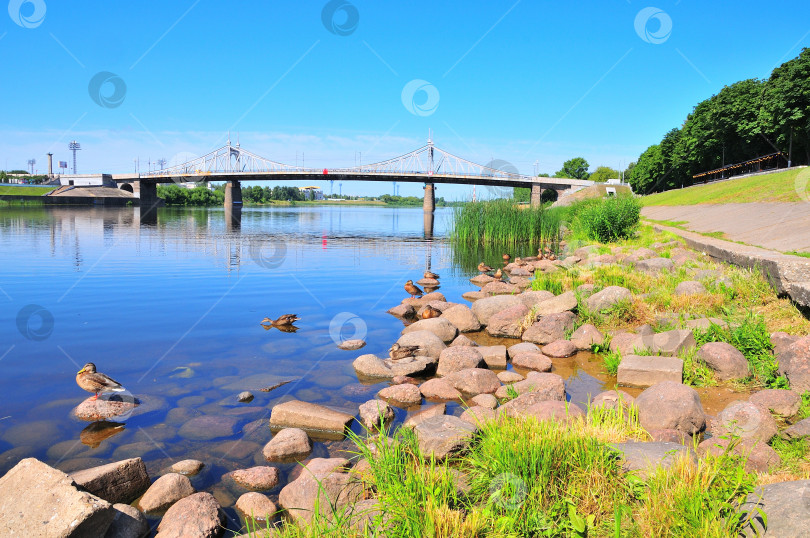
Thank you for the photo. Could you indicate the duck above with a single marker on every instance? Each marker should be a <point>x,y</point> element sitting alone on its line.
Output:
<point>413,289</point>
<point>430,274</point>
<point>397,351</point>
<point>506,258</point>
<point>498,274</point>
<point>282,321</point>
<point>96,382</point>
<point>483,268</point>
<point>430,312</point>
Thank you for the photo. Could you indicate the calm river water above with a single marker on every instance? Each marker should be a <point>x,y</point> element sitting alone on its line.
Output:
<point>171,308</point>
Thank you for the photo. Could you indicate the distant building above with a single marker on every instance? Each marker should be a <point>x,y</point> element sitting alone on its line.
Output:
<point>312,193</point>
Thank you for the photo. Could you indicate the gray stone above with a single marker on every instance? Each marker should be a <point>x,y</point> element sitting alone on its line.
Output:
<point>443,436</point>
<point>352,345</point>
<point>244,397</point>
<point>118,482</point>
<point>494,356</point>
<point>550,386</point>
<point>748,420</point>
<point>690,287</point>
<point>288,444</point>
<point>429,344</point>
<point>405,395</point>
<point>463,318</point>
<point>404,311</point>
<point>165,491</point>
<point>38,500</point>
<point>129,522</point>
<point>509,323</point>
<point>665,343</point>
<point>371,366</point>
<point>198,515</point>
<point>376,413</point>
<point>782,402</point>
<point>608,298</point>
<point>561,303</point>
<point>725,360</point>
<point>645,371</point>
<point>587,336</point>
<point>440,326</point>
<point>454,359</point>
<point>187,467</point>
<point>645,457</point>
<point>786,507</point>
<point>549,328</point>
<point>308,416</point>
<point>798,430</point>
<point>103,409</point>
<point>671,405</point>
<point>474,381</point>
<point>489,306</point>
<point>560,349</point>
<point>655,265</point>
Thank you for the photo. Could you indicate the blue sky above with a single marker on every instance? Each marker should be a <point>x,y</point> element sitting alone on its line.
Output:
<point>524,81</point>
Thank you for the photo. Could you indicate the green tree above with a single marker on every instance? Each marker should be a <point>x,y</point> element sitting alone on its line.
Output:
<point>576,168</point>
<point>603,173</point>
<point>785,109</point>
<point>646,173</point>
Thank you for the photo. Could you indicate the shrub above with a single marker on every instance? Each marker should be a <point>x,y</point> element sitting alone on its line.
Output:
<point>609,219</point>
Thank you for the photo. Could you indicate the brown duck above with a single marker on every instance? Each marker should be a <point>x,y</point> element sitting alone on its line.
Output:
<point>498,274</point>
<point>506,258</point>
<point>430,312</point>
<point>430,274</point>
<point>413,289</point>
<point>402,352</point>
<point>282,321</point>
<point>96,382</point>
<point>483,268</point>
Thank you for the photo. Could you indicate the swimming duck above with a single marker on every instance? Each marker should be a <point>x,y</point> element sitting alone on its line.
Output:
<point>429,274</point>
<point>282,321</point>
<point>430,312</point>
<point>96,382</point>
<point>401,352</point>
<point>413,289</point>
<point>483,268</point>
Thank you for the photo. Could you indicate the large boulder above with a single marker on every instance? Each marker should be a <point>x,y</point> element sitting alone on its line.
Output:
<point>532,360</point>
<point>533,298</point>
<point>795,363</point>
<point>623,343</point>
<point>550,386</point>
<point>458,358</point>
<point>559,349</point>
<point>165,491</point>
<point>129,522</point>
<point>440,326</point>
<point>500,288</point>
<point>463,318</point>
<point>478,415</point>
<point>748,420</point>
<point>259,478</point>
<point>645,371</point>
<point>671,405</point>
<point>725,360</point>
<point>494,356</point>
<point>371,366</point>
<point>288,444</point>
<point>758,456</point>
<point>92,410</point>
<point>549,328</point>
<point>324,488</point>
<point>782,402</point>
<point>644,457</point>
<point>509,323</point>
<point>256,506</point>
<point>425,413</point>
<point>429,344</point>
<point>561,303</point>
<point>609,297</point>
<point>439,388</point>
<point>489,306</point>
<point>586,336</point>
<point>308,416</point>
<point>118,482</point>
<point>443,436</point>
<point>474,381</point>
<point>654,265</point>
<point>665,343</point>
<point>198,515</point>
<point>405,395</point>
<point>375,414</point>
<point>38,500</point>
<point>786,507</point>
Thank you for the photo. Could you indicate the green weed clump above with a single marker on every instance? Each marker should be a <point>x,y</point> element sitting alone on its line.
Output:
<point>608,219</point>
<point>504,222</point>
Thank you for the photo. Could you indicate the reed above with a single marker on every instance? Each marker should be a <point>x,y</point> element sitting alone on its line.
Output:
<point>504,222</point>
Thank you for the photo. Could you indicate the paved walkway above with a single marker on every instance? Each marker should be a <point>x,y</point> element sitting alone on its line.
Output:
<point>778,226</point>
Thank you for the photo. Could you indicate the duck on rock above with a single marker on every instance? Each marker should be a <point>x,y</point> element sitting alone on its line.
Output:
<point>96,382</point>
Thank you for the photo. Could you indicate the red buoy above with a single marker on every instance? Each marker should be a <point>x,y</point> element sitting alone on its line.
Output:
<point>325,171</point>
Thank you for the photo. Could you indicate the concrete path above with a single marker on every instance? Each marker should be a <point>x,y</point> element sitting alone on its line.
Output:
<point>777,226</point>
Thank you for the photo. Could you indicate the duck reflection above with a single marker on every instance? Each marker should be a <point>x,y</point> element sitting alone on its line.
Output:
<point>95,433</point>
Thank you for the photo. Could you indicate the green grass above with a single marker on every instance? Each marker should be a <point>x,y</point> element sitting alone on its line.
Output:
<point>29,190</point>
<point>504,222</point>
<point>793,453</point>
<point>605,220</point>
<point>611,360</point>
<point>775,187</point>
<point>804,408</point>
<point>797,253</point>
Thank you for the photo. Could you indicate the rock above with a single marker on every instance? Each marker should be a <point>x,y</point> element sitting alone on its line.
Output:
<point>670,436</point>
<point>429,282</point>
<point>611,399</point>
<point>725,360</point>
<point>288,444</point>
<point>483,279</point>
<point>101,409</point>
<point>443,436</point>
<point>518,406</point>
<point>371,366</point>
<point>256,506</point>
<point>400,379</point>
<point>187,467</point>
<point>797,364</point>
<point>308,416</point>
<point>485,400</point>
<point>425,299</point>
<point>759,457</point>
<point>244,397</point>
<point>118,482</point>
<point>439,389</point>
<point>784,503</point>
<point>665,343</point>
<point>560,349</point>
<point>555,410</point>
<point>462,340</point>
<point>38,500</point>
<point>559,304</point>
<point>608,298</point>
<point>404,311</point>
<point>587,336</point>
<point>489,306</point>
<point>690,287</point>
<point>645,371</point>
<point>654,265</point>
<point>520,272</point>
<point>454,359</point>
<point>478,415</point>
<point>433,411</point>
<point>550,386</point>
<point>782,402</point>
<point>207,427</point>
<point>474,295</point>
<point>317,466</point>
<point>508,376</point>
<point>671,405</point>
<point>522,347</point>
<point>797,431</point>
<point>474,381</point>
<point>429,344</point>
<point>494,356</point>
<point>532,298</point>
<point>324,490</point>
<point>704,323</point>
<point>401,395</point>
<point>376,413</point>
<point>198,515</point>
<point>644,457</point>
<point>128,522</point>
<point>440,326</point>
<point>352,345</point>
<point>463,318</point>
<point>165,491</point>
<point>257,478</point>
<point>623,343</point>
<point>549,328</point>
<point>500,288</point>
<point>509,323</point>
<point>532,360</point>
<point>782,341</point>
<point>748,420</point>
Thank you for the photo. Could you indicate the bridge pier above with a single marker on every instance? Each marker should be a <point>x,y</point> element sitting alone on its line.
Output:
<point>536,196</point>
<point>233,218</point>
<point>233,193</point>
<point>430,198</point>
<point>147,193</point>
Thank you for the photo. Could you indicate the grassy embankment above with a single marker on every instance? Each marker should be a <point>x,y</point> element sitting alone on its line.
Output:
<point>28,190</point>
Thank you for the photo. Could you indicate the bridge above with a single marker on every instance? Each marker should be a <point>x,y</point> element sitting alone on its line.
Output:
<point>429,164</point>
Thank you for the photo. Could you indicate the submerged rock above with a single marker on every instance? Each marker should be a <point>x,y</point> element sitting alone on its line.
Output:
<point>352,345</point>
<point>309,416</point>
